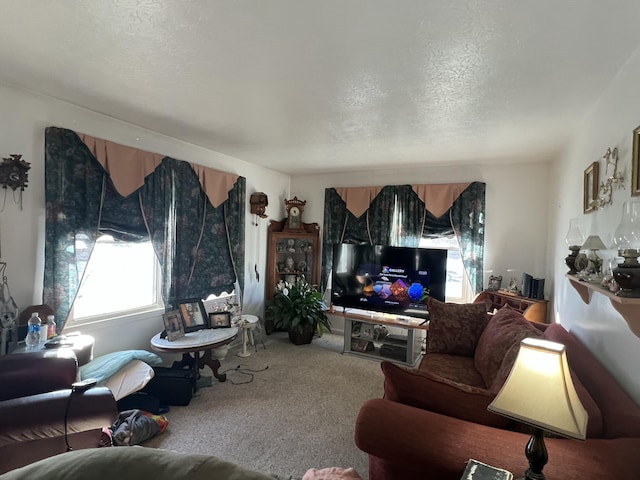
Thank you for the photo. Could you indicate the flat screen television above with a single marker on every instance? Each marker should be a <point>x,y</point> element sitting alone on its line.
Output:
<point>394,280</point>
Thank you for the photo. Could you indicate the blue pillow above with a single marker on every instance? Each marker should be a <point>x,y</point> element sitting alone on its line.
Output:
<point>104,366</point>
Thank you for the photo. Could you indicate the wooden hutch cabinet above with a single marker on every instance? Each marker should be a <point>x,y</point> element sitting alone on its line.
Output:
<point>293,249</point>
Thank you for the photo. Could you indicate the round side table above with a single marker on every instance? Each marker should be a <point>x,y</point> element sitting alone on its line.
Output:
<point>246,323</point>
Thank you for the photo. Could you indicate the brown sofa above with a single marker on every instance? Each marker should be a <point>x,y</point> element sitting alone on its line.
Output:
<point>35,397</point>
<point>434,418</point>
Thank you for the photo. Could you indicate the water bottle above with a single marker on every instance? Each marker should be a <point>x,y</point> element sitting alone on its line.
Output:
<point>51,327</point>
<point>33,334</point>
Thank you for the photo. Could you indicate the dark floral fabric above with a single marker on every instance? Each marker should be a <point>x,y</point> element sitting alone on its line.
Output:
<point>465,218</point>
<point>506,328</point>
<point>200,248</point>
<point>455,328</point>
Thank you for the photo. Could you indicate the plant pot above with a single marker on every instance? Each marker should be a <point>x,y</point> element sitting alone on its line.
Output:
<point>303,338</point>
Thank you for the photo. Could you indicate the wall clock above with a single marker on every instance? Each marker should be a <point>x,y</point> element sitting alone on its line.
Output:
<point>294,208</point>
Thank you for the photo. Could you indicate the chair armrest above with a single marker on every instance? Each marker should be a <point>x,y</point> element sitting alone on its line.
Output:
<point>33,427</point>
<point>30,373</point>
<point>42,415</point>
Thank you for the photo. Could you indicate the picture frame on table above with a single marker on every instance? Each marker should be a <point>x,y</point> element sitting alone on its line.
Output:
<point>220,319</point>
<point>194,316</point>
<point>635,164</point>
<point>173,325</point>
<point>591,185</point>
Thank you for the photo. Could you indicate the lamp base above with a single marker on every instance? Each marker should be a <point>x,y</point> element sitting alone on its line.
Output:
<point>570,260</point>
<point>536,452</point>
<point>628,279</point>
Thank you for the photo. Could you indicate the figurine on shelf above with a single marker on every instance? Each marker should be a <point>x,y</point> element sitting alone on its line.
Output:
<point>290,265</point>
<point>291,245</point>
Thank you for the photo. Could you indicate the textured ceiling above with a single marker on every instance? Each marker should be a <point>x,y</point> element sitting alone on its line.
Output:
<point>325,85</point>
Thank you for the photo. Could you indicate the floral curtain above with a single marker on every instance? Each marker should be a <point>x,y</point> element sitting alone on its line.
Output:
<point>200,248</point>
<point>397,216</point>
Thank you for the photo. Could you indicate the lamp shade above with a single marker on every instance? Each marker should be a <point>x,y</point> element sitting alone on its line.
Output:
<point>540,392</point>
<point>593,242</point>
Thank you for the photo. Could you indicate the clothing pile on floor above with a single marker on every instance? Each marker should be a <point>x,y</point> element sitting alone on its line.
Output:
<point>132,427</point>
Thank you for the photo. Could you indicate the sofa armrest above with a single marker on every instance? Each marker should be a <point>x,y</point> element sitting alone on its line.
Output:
<point>408,443</point>
<point>30,373</point>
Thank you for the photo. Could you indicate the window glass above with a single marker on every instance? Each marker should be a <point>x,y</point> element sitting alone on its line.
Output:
<point>120,278</point>
<point>458,286</point>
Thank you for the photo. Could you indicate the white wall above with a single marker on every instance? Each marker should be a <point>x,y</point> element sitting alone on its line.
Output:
<point>609,124</point>
<point>24,117</point>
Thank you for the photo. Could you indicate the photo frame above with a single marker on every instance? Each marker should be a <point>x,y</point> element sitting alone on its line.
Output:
<point>194,316</point>
<point>173,325</point>
<point>591,184</point>
<point>220,319</point>
<point>495,282</point>
<point>635,164</point>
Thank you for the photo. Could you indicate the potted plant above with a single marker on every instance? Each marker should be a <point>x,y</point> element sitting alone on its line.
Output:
<point>297,307</point>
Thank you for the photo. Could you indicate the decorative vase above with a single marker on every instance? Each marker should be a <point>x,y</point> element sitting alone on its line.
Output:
<point>302,338</point>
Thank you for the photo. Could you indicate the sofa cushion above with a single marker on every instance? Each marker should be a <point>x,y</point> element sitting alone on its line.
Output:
<point>452,367</point>
<point>422,389</point>
<point>455,328</point>
<point>506,328</point>
<point>620,414</point>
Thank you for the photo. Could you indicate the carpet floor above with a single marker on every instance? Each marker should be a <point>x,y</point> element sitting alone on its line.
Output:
<point>283,410</point>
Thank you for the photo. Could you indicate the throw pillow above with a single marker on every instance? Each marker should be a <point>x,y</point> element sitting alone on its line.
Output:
<point>507,328</point>
<point>427,391</point>
<point>455,328</point>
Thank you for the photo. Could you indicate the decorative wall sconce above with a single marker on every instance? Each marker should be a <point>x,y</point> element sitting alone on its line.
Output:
<point>259,202</point>
<point>613,177</point>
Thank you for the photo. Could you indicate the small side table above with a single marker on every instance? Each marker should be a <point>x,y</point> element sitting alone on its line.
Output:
<point>192,344</point>
<point>246,323</point>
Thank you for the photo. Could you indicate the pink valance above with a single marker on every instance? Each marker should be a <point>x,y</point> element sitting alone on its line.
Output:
<point>437,198</point>
<point>128,167</point>
<point>215,183</point>
<point>358,199</point>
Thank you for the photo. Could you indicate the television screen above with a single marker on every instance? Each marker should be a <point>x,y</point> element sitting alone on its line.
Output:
<point>388,279</point>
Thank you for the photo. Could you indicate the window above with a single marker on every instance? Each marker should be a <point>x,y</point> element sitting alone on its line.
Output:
<point>458,288</point>
<point>120,278</point>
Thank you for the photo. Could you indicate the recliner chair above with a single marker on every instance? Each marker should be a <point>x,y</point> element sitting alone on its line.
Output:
<point>41,415</point>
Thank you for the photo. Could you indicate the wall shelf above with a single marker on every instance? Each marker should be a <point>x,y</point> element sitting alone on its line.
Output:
<point>629,308</point>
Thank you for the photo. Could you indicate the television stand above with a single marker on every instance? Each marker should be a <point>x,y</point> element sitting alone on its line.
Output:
<point>405,348</point>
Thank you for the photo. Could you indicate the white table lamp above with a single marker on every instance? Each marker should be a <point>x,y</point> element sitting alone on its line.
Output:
<point>540,393</point>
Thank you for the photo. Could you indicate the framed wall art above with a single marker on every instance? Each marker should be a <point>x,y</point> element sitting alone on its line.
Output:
<point>194,316</point>
<point>635,162</point>
<point>591,184</point>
